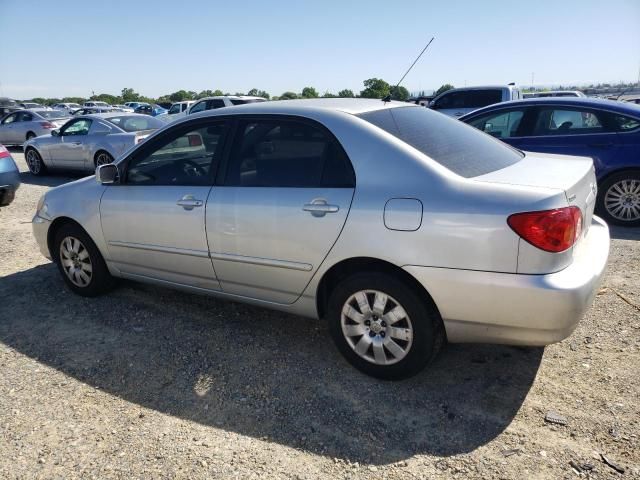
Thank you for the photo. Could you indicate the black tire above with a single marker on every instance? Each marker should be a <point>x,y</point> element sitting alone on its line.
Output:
<point>608,192</point>
<point>30,135</point>
<point>102,158</point>
<point>34,162</point>
<point>100,280</point>
<point>428,334</point>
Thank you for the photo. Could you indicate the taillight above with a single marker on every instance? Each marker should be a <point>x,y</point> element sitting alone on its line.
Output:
<point>4,153</point>
<point>47,125</point>
<point>195,140</point>
<point>550,230</point>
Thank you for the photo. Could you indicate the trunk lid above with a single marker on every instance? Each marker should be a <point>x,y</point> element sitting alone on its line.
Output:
<point>574,175</point>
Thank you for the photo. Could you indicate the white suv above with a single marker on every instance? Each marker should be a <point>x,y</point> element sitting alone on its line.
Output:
<point>460,101</point>
<point>210,103</point>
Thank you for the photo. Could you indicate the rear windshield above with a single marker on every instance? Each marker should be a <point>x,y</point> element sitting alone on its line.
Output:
<point>462,149</point>
<point>135,123</point>
<point>52,113</point>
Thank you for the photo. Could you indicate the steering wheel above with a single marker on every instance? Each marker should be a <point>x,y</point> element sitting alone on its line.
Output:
<point>195,170</point>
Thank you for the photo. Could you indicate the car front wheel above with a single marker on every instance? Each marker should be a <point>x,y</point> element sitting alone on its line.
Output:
<point>80,262</point>
<point>382,326</point>
<point>619,199</point>
<point>102,158</point>
<point>35,163</point>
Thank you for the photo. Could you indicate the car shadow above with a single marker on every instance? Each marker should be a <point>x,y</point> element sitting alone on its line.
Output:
<point>49,180</point>
<point>624,233</point>
<point>260,373</point>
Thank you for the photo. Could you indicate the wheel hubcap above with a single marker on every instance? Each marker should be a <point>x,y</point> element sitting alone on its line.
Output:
<point>33,161</point>
<point>76,262</point>
<point>376,327</point>
<point>622,200</point>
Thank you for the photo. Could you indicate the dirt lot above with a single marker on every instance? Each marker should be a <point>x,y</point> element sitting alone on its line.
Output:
<point>151,383</point>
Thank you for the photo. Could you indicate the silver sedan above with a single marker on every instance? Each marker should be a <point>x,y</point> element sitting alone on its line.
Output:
<point>400,226</point>
<point>23,125</point>
<point>87,141</point>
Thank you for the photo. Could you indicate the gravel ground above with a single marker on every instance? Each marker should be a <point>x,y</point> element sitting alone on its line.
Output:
<point>151,383</point>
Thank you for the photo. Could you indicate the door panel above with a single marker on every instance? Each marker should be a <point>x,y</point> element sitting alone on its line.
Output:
<point>149,234</point>
<point>68,152</point>
<point>264,244</point>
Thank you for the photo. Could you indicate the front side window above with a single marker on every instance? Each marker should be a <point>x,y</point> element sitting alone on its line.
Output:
<point>10,119</point>
<point>216,103</point>
<point>25,117</point>
<point>175,108</point>
<point>187,156</point>
<point>198,107</point>
<point>450,100</point>
<point>500,125</point>
<point>567,121</point>
<point>79,127</point>
<point>287,153</point>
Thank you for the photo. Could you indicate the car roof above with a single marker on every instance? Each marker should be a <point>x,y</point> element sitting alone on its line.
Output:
<point>111,115</point>
<point>597,103</point>
<point>347,105</point>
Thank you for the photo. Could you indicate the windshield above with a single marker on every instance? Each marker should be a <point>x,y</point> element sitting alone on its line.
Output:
<point>237,101</point>
<point>52,113</point>
<point>460,148</point>
<point>135,123</point>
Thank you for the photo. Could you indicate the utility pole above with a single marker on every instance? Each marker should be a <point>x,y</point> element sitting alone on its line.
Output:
<point>532,75</point>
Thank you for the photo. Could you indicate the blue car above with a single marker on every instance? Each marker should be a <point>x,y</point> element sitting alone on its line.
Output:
<point>9,177</point>
<point>153,110</point>
<point>606,130</point>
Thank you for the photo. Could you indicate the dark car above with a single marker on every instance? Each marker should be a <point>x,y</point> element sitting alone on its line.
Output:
<point>605,130</point>
<point>8,105</point>
<point>9,177</point>
<point>153,110</point>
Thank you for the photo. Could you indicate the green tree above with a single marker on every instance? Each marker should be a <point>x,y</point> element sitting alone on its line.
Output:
<point>444,88</point>
<point>375,88</point>
<point>328,94</point>
<point>106,97</point>
<point>254,92</point>
<point>128,95</point>
<point>288,96</point>
<point>346,93</point>
<point>79,100</point>
<point>180,96</point>
<point>399,93</point>
<point>309,92</point>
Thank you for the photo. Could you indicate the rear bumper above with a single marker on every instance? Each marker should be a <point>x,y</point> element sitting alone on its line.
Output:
<point>518,309</point>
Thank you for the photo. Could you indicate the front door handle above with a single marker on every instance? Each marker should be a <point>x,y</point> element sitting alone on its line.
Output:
<point>189,202</point>
<point>319,207</point>
<point>458,114</point>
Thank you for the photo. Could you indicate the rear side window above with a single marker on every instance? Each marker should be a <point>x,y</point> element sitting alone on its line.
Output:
<point>453,144</point>
<point>567,121</point>
<point>287,153</point>
<point>622,123</point>
<point>482,98</point>
<point>499,124</point>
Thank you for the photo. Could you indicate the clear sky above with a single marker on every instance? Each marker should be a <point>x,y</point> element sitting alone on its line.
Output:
<point>67,48</point>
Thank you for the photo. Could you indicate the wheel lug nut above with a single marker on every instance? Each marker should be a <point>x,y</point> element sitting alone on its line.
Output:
<point>382,334</point>
<point>384,324</point>
<point>372,334</point>
<point>367,322</point>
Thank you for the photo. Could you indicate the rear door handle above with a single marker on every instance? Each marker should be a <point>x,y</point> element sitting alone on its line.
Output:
<point>319,207</point>
<point>188,202</point>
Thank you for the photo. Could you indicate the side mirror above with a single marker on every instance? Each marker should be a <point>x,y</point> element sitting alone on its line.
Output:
<point>55,133</point>
<point>107,174</point>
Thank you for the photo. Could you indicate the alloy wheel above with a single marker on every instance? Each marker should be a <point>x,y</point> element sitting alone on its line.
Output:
<point>622,200</point>
<point>376,327</point>
<point>34,162</point>
<point>76,262</point>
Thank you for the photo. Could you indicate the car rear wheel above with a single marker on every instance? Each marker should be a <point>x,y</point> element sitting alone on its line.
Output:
<point>382,326</point>
<point>619,199</point>
<point>102,158</point>
<point>80,262</point>
<point>35,163</point>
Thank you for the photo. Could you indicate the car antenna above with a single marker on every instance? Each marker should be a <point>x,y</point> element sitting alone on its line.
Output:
<point>387,98</point>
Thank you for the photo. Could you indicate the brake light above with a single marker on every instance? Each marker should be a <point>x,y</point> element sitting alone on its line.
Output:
<point>4,153</point>
<point>550,230</point>
<point>47,125</point>
<point>195,140</point>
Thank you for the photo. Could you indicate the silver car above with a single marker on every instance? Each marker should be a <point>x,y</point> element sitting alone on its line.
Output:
<point>87,141</point>
<point>400,226</point>
<point>23,125</point>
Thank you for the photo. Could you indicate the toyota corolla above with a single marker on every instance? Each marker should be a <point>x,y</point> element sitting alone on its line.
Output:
<point>401,227</point>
